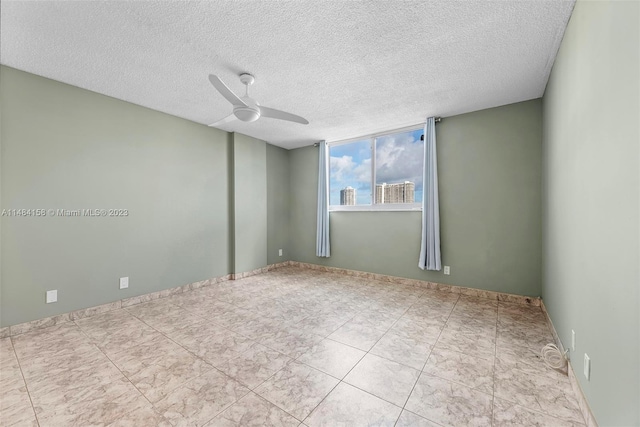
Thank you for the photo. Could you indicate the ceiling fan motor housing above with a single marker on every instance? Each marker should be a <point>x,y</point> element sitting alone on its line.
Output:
<point>250,113</point>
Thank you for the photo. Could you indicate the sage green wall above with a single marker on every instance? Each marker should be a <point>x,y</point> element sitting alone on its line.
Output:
<point>591,198</point>
<point>278,204</point>
<point>68,148</point>
<point>250,204</point>
<point>489,165</point>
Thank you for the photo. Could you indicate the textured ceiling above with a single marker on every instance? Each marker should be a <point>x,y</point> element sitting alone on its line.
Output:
<point>350,67</point>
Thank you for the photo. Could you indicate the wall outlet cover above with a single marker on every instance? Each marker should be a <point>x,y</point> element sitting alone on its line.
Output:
<point>587,366</point>
<point>124,282</point>
<point>52,296</point>
<point>573,340</point>
<point>279,252</point>
<point>447,270</point>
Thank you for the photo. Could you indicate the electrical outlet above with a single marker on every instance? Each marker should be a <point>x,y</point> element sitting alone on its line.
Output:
<point>573,340</point>
<point>587,366</point>
<point>447,270</point>
<point>279,252</point>
<point>124,282</point>
<point>52,296</point>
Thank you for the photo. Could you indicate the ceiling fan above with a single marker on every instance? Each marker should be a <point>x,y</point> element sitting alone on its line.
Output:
<point>246,108</point>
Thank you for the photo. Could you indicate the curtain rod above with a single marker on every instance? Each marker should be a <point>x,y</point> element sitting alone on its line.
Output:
<point>437,120</point>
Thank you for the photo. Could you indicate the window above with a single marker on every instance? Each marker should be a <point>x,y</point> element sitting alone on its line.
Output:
<point>382,172</point>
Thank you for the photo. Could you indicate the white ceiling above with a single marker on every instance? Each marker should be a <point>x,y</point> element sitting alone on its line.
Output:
<point>350,67</point>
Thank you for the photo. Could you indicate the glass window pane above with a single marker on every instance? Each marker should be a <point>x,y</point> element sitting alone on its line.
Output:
<point>399,160</point>
<point>350,173</point>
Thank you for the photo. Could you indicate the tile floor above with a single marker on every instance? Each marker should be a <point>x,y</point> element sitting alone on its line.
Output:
<point>291,347</point>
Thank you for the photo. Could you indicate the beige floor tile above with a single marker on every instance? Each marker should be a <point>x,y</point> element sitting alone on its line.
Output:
<point>402,349</point>
<point>297,389</point>
<point>10,372</point>
<point>15,407</point>
<point>472,301</point>
<point>409,419</point>
<point>518,338</point>
<point>209,308</point>
<point>467,342</point>
<point>473,324</point>
<point>528,361</point>
<point>552,396</point>
<point>377,319</point>
<point>539,326</point>
<point>388,380</point>
<point>202,398</point>
<point>507,414</point>
<point>141,417</point>
<point>56,375</point>
<point>157,380</point>
<point>462,368</point>
<point>96,405</point>
<point>157,307</point>
<point>114,319</point>
<point>172,322</point>
<point>258,328</point>
<point>218,348</point>
<point>436,312</point>
<point>194,300</point>
<point>57,344</point>
<point>519,313</point>
<point>253,411</point>
<point>450,404</point>
<point>418,328</point>
<point>292,344</point>
<point>358,336</point>
<point>319,325</point>
<point>332,357</point>
<point>72,359</point>
<point>347,406</point>
<point>137,356</point>
<point>234,317</point>
<point>61,388</point>
<point>484,314</point>
<point>116,330</point>
<point>255,365</point>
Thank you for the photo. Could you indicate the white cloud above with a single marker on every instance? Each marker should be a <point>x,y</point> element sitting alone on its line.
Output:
<point>345,169</point>
<point>399,158</point>
<point>363,171</point>
<point>341,167</point>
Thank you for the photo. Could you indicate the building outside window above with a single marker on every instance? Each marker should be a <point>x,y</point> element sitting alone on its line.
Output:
<point>348,196</point>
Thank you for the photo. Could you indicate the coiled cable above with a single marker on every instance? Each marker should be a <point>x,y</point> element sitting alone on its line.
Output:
<point>553,357</point>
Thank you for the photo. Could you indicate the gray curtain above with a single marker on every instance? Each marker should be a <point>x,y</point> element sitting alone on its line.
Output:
<point>323,248</point>
<point>430,244</point>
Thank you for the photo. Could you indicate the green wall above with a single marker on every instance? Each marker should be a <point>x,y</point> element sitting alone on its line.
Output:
<point>250,203</point>
<point>591,198</point>
<point>67,148</point>
<point>278,204</point>
<point>489,165</point>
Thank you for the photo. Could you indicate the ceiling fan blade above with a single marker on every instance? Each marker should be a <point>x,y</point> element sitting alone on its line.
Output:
<point>229,118</point>
<point>277,114</point>
<point>225,91</point>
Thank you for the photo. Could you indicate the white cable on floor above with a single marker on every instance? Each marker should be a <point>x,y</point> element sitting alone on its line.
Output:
<point>553,357</point>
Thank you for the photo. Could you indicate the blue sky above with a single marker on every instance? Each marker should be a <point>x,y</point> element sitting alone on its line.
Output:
<point>399,158</point>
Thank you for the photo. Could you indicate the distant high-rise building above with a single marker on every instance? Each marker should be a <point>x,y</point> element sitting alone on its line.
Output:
<point>402,192</point>
<point>348,196</point>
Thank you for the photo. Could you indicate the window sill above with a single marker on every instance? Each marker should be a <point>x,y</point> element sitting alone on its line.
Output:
<point>378,208</point>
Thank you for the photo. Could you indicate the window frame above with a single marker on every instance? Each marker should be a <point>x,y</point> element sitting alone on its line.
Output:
<point>373,206</point>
